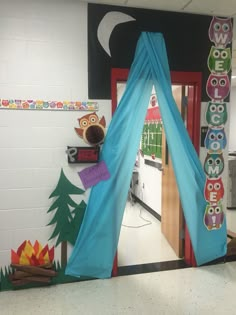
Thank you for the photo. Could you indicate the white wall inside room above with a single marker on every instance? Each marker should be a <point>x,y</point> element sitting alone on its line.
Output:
<point>43,55</point>
<point>231,191</point>
<point>148,189</point>
<point>232,120</point>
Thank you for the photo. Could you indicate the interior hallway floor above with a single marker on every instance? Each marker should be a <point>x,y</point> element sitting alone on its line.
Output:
<point>141,240</point>
<point>192,291</point>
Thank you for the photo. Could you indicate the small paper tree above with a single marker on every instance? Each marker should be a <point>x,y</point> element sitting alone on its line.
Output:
<point>65,228</point>
<point>78,212</point>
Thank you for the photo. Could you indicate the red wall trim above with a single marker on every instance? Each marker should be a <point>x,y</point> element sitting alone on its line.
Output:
<point>117,75</point>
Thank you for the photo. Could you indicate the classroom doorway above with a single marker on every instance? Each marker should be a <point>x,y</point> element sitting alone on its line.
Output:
<point>186,91</point>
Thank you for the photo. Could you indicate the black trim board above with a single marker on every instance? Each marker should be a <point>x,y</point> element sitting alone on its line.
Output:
<point>152,267</point>
<point>145,206</point>
<point>167,266</point>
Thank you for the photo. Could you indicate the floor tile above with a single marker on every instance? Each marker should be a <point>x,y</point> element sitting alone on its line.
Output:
<point>141,240</point>
<point>191,291</point>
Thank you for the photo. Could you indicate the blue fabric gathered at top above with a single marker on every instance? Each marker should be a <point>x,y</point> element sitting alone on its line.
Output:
<point>96,245</point>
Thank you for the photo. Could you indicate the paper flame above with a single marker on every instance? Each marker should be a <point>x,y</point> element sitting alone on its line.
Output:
<point>36,255</point>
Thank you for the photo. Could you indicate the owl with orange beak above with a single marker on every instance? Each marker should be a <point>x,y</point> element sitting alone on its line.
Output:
<point>92,129</point>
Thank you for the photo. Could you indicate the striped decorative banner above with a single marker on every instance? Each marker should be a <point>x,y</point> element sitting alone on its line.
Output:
<point>48,105</point>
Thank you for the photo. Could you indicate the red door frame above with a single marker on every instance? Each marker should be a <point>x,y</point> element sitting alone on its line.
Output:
<point>194,81</point>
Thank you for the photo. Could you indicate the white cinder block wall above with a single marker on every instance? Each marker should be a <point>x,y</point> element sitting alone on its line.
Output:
<point>232,125</point>
<point>43,55</point>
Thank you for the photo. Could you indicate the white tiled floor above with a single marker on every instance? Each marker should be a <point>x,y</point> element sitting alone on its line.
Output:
<point>192,291</point>
<point>141,240</point>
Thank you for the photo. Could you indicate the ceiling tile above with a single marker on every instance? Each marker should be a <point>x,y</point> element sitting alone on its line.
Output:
<point>210,7</point>
<point>158,5</point>
<point>111,2</point>
<point>213,7</point>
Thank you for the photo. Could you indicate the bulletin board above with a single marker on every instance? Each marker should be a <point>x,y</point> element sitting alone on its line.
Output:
<point>151,142</point>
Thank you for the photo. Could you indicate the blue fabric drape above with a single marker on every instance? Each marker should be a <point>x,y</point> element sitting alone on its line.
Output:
<point>97,241</point>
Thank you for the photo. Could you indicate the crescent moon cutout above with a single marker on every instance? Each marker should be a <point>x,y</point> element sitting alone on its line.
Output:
<point>106,26</point>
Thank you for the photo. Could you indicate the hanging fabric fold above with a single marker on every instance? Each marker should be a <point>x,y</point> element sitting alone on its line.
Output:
<point>96,245</point>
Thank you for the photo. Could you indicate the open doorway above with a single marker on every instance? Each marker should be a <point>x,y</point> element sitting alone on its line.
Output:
<point>186,90</point>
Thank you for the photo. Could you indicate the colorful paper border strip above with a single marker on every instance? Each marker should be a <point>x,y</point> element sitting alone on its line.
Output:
<point>48,105</point>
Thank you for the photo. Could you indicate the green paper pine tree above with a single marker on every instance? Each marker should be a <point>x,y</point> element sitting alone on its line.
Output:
<point>65,228</point>
<point>78,212</point>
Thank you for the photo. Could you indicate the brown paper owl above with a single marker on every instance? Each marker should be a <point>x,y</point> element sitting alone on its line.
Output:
<point>92,130</point>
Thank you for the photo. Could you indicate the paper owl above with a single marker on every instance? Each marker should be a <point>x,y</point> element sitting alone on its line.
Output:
<point>218,86</point>
<point>215,140</point>
<point>92,130</point>
<point>214,165</point>
<point>214,216</point>
<point>219,60</point>
<point>220,31</point>
<point>216,114</point>
<point>214,190</point>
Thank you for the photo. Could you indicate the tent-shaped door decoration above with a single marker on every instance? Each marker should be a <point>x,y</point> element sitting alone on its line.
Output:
<point>217,88</point>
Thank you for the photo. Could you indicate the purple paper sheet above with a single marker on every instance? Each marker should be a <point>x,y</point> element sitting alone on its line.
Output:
<point>92,175</point>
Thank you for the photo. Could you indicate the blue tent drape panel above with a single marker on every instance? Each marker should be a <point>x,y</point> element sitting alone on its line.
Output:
<point>97,241</point>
